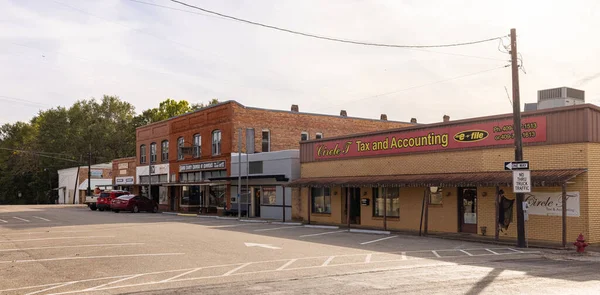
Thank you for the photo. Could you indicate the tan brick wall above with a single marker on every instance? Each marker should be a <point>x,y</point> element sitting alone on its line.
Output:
<point>444,218</point>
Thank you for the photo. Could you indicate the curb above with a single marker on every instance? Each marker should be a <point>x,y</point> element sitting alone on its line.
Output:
<point>187,214</point>
<point>170,213</point>
<point>287,223</point>
<point>226,218</point>
<point>368,231</point>
<point>253,221</point>
<point>322,226</point>
<point>207,216</point>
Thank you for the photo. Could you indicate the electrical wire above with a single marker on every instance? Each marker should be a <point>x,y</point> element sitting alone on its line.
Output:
<point>22,101</point>
<point>332,38</point>
<point>216,16</point>
<point>423,85</point>
<point>41,154</point>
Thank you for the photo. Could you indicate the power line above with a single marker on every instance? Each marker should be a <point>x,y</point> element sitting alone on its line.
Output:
<point>424,85</point>
<point>332,38</point>
<point>219,17</point>
<point>22,101</point>
<point>41,154</point>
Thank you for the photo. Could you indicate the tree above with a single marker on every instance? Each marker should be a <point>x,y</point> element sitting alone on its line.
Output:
<point>169,108</point>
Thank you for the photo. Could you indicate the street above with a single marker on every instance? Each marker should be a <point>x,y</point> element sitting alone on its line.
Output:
<point>72,250</point>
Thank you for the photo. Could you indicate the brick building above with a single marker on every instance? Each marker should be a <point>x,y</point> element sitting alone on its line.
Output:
<point>185,152</point>
<point>72,187</point>
<point>449,177</point>
<point>124,174</point>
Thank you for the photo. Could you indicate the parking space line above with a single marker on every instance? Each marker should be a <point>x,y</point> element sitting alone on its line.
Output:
<point>368,258</point>
<point>493,252</point>
<point>56,238</point>
<point>326,263</point>
<point>113,282</point>
<point>2,220</point>
<point>511,249</point>
<point>436,254</point>
<point>19,218</point>
<point>231,225</point>
<point>44,219</point>
<point>235,269</point>
<point>287,264</point>
<point>88,257</point>
<point>69,246</point>
<point>403,256</point>
<point>325,233</point>
<point>51,288</point>
<point>466,252</point>
<point>181,275</point>
<point>374,241</point>
<point>276,228</point>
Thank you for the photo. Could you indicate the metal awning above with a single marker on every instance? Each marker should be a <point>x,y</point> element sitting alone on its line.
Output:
<point>539,178</point>
<point>277,177</point>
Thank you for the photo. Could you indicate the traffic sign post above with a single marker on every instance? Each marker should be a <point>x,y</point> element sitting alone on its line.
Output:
<point>516,165</point>
<point>522,181</point>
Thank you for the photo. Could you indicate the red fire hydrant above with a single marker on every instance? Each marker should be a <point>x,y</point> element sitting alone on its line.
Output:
<point>580,244</point>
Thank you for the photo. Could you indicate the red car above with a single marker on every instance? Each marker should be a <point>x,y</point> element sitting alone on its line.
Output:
<point>134,204</point>
<point>105,199</point>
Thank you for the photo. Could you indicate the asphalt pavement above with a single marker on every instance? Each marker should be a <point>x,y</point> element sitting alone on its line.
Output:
<point>72,250</point>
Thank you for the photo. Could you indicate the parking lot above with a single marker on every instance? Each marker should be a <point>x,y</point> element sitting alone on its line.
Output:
<point>70,250</point>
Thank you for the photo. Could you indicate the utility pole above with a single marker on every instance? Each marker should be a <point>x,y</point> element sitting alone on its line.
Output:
<point>89,187</point>
<point>517,132</point>
<point>240,174</point>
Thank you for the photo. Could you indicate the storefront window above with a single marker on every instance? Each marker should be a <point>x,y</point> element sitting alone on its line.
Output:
<point>191,195</point>
<point>393,201</point>
<point>321,200</point>
<point>216,196</point>
<point>269,195</point>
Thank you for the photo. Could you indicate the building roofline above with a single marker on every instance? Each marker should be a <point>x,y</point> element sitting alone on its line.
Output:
<point>192,112</point>
<point>463,121</point>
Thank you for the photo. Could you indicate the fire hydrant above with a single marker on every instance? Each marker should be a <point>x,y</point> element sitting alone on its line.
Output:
<point>580,244</point>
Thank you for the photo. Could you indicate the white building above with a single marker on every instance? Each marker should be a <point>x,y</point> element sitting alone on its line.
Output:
<point>69,191</point>
<point>264,174</point>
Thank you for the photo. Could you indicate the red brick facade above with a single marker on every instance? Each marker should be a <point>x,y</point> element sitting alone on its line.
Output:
<point>285,128</point>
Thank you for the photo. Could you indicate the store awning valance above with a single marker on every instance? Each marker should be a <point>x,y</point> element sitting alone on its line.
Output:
<point>539,178</point>
<point>94,183</point>
<point>277,177</point>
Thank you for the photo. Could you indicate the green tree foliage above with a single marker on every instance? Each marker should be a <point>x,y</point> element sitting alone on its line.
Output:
<point>32,152</point>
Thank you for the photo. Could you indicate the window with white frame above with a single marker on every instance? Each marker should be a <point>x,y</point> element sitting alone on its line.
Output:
<point>266,141</point>
<point>303,136</point>
<point>216,142</point>
<point>180,143</point>
<point>143,154</point>
<point>319,135</point>
<point>153,152</point>
<point>164,151</point>
<point>197,146</point>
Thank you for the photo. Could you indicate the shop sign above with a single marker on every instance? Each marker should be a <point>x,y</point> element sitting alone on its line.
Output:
<point>550,203</point>
<point>124,180</point>
<point>433,139</point>
<point>202,166</point>
<point>96,173</point>
<point>522,181</point>
<point>123,165</point>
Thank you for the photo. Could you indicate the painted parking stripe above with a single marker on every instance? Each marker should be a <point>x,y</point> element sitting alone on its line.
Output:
<point>51,288</point>
<point>328,261</point>
<point>436,254</point>
<point>511,249</point>
<point>287,264</point>
<point>44,219</point>
<point>403,256</point>
<point>113,282</point>
<point>235,269</point>
<point>181,275</point>
<point>89,257</point>
<point>76,246</point>
<point>325,233</point>
<point>231,225</point>
<point>466,252</point>
<point>493,252</point>
<point>368,258</point>
<point>375,241</point>
<point>57,238</point>
<point>2,220</point>
<point>276,228</point>
<point>19,218</point>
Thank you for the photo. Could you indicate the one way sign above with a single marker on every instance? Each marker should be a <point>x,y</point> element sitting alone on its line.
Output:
<point>518,165</point>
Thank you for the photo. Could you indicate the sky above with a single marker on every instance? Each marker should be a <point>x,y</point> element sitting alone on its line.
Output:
<point>53,53</point>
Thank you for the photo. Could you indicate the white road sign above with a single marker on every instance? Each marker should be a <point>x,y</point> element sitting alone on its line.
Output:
<point>522,181</point>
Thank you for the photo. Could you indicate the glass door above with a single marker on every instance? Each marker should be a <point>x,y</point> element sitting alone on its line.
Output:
<point>467,203</point>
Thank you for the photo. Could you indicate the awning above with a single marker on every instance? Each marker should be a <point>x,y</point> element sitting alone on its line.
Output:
<point>191,184</point>
<point>277,177</point>
<point>94,183</point>
<point>539,178</point>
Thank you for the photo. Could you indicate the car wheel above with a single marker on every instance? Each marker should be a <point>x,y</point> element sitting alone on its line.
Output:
<point>116,211</point>
<point>93,208</point>
<point>155,209</point>
<point>136,209</point>
<point>101,209</point>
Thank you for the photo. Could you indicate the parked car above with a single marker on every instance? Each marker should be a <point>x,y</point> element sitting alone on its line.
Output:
<point>134,204</point>
<point>104,200</point>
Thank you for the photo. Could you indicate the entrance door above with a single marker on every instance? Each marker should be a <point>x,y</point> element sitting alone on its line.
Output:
<point>352,194</point>
<point>467,206</point>
<point>173,198</point>
<point>257,202</point>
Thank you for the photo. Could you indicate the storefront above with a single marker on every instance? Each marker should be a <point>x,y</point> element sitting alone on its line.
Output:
<point>151,179</point>
<point>449,177</point>
<point>194,192</point>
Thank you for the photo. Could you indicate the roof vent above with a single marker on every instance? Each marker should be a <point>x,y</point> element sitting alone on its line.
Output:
<point>383,117</point>
<point>295,108</point>
<point>413,120</point>
<point>343,113</point>
<point>446,118</point>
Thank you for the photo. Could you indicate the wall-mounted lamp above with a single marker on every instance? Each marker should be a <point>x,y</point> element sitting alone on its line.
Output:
<point>434,189</point>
